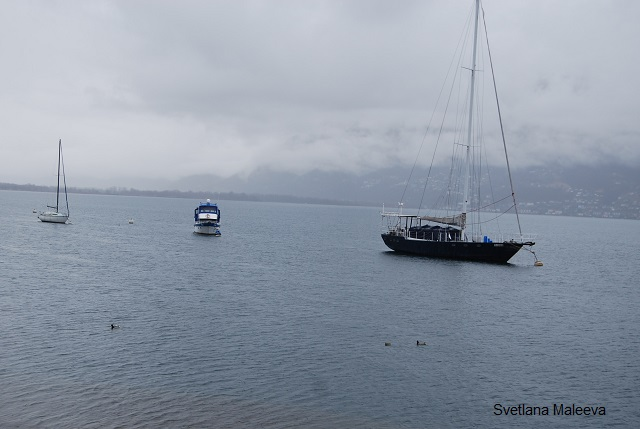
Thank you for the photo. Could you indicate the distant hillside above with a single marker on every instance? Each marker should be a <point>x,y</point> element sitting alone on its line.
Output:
<point>194,195</point>
<point>603,191</point>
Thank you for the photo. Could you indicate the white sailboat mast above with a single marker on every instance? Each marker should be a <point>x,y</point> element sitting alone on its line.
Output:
<point>58,187</point>
<point>469,130</point>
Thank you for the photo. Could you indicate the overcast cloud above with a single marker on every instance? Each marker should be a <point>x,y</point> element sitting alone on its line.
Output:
<point>168,89</point>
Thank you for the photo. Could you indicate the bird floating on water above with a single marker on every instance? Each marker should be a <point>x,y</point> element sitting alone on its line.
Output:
<point>114,326</point>
<point>421,343</point>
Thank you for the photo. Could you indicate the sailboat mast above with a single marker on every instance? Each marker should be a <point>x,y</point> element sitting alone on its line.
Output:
<point>58,188</point>
<point>469,129</point>
<point>64,179</point>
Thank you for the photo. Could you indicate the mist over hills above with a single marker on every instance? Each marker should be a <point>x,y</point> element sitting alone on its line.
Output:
<point>596,191</point>
<point>579,190</point>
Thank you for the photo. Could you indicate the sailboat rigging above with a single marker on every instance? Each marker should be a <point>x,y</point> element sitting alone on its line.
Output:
<point>458,228</point>
<point>55,215</point>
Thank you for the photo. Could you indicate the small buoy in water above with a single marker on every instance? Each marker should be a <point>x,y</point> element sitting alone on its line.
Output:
<point>421,343</point>
<point>538,264</point>
<point>387,343</point>
<point>114,326</point>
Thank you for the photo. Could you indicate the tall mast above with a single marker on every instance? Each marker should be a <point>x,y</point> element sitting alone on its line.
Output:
<point>58,188</point>
<point>469,133</point>
<point>64,179</point>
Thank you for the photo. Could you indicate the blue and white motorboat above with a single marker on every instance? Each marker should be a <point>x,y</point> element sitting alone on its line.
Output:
<point>207,219</point>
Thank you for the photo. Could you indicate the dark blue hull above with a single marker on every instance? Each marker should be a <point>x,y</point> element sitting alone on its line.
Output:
<point>499,253</point>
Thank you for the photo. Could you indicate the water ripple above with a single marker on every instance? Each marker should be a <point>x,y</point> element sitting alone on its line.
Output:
<point>282,321</point>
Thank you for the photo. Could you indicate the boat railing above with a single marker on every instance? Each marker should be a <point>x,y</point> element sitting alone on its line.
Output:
<point>503,238</point>
<point>417,234</point>
<point>402,225</point>
<point>394,214</point>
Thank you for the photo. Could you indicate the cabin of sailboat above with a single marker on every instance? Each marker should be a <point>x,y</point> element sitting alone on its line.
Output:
<point>464,220</point>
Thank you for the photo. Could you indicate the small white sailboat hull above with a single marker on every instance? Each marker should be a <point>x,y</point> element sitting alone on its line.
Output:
<point>53,217</point>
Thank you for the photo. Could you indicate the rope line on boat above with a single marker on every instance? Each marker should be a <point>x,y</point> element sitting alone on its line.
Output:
<point>492,204</point>
<point>424,137</point>
<point>504,141</point>
<point>440,131</point>
<point>537,262</point>
<point>494,218</point>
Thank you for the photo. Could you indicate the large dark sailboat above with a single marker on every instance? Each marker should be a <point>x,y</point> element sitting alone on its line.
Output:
<point>458,225</point>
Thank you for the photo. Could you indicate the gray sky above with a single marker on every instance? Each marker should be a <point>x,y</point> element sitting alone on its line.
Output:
<point>168,89</point>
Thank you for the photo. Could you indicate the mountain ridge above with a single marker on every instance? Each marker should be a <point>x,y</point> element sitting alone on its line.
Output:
<point>611,191</point>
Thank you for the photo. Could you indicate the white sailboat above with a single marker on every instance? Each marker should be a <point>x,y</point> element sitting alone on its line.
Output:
<point>55,215</point>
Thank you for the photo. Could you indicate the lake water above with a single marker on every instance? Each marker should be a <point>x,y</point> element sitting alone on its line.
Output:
<point>282,321</point>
